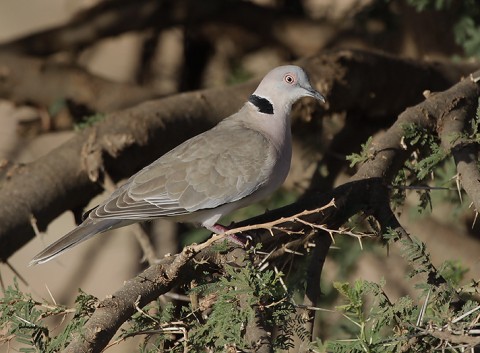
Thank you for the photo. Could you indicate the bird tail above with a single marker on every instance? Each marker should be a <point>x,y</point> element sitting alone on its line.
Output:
<point>83,232</point>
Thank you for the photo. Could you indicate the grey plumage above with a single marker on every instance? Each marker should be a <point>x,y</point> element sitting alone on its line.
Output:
<point>239,161</point>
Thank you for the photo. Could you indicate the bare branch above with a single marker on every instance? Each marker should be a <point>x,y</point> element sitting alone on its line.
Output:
<point>314,272</point>
<point>89,26</point>
<point>27,79</point>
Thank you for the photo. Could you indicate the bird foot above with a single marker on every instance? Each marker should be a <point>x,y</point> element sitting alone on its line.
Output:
<point>239,239</point>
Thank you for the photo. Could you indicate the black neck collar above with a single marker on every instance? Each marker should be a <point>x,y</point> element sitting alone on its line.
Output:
<point>263,104</point>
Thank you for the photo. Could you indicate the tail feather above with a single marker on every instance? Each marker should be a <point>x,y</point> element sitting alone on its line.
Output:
<point>83,232</point>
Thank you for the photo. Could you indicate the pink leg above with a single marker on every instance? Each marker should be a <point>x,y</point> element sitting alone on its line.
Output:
<point>236,238</point>
<point>217,228</point>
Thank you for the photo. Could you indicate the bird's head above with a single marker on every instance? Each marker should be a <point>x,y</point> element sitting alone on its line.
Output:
<point>282,87</point>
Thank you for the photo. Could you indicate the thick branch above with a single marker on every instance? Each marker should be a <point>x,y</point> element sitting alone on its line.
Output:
<point>62,180</point>
<point>24,79</point>
<point>454,132</point>
<point>256,334</point>
<point>387,152</point>
<point>108,18</point>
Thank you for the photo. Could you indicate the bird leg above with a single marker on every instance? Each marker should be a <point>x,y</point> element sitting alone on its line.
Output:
<point>239,239</point>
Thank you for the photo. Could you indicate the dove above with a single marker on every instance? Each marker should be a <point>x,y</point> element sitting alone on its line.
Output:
<point>241,160</point>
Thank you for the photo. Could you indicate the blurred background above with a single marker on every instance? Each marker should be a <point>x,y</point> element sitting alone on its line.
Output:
<point>166,47</point>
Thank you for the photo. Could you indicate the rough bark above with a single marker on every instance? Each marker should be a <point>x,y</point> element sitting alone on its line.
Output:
<point>30,80</point>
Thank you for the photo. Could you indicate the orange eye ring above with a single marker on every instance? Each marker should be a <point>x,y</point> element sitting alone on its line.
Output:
<point>289,78</point>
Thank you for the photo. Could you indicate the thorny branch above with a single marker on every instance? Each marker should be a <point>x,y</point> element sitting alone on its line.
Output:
<point>436,113</point>
<point>454,133</point>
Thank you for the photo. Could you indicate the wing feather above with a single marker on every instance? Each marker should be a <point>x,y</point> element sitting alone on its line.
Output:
<point>222,165</point>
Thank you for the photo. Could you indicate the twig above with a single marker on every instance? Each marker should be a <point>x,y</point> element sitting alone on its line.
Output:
<point>51,295</point>
<point>464,315</point>
<point>176,296</point>
<point>312,290</point>
<point>143,312</point>
<point>33,222</point>
<point>423,309</point>
<point>282,220</point>
<point>176,327</point>
<point>149,253</point>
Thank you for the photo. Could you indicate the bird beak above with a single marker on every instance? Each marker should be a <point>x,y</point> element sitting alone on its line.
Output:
<point>313,93</point>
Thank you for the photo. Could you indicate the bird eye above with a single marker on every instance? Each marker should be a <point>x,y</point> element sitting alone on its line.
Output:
<point>289,79</point>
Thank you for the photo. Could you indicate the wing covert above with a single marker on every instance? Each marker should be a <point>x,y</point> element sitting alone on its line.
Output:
<point>217,167</point>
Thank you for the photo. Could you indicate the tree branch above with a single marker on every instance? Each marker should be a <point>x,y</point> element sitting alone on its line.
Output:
<point>122,144</point>
<point>89,26</point>
<point>26,79</point>
<point>314,273</point>
<point>179,269</point>
<point>454,130</point>
<point>438,109</point>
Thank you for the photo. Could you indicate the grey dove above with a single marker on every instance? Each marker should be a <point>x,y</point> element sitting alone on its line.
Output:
<point>241,160</point>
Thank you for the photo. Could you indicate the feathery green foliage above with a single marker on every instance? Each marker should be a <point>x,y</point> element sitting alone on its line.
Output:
<point>23,318</point>
<point>229,303</point>
<point>375,323</point>
<point>429,145</point>
<point>363,156</point>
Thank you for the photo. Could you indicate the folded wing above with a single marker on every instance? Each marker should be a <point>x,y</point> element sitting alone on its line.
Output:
<point>218,167</point>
